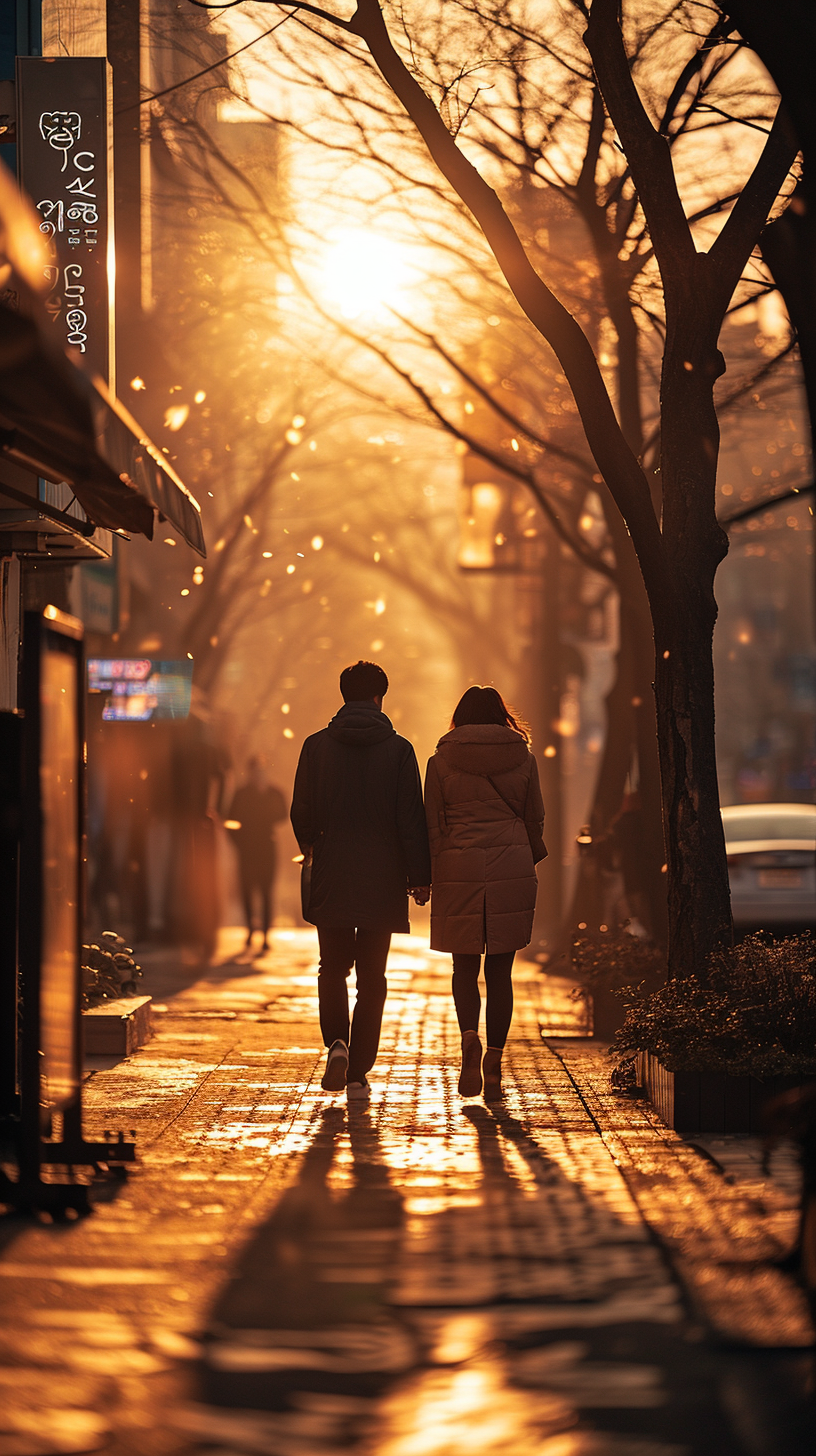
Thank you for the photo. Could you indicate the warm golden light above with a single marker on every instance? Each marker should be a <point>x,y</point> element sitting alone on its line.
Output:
<point>477,529</point>
<point>364,272</point>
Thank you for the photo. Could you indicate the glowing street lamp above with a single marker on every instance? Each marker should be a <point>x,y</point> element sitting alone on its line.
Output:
<point>483,505</point>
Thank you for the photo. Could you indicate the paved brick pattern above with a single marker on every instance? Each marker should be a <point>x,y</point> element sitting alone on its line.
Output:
<point>724,1258</point>
<point>283,1275</point>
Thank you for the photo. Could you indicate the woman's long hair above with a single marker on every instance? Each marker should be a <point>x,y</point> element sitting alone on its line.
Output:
<point>486,705</point>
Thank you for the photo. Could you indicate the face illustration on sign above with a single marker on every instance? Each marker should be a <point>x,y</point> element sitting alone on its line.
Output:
<point>61,130</point>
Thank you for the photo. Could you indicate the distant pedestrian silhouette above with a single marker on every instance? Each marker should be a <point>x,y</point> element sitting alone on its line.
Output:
<point>358,817</point>
<point>255,810</point>
<point>485,819</point>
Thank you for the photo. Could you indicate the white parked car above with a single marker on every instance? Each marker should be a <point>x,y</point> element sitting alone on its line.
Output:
<point>772,865</point>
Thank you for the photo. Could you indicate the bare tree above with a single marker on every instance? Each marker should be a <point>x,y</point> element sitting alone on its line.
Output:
<point>678,550</point>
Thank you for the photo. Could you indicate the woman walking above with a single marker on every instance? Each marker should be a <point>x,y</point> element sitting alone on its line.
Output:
<point>485,820</point>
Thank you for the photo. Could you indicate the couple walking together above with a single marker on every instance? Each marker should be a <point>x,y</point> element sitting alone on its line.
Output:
<point>369,842</point>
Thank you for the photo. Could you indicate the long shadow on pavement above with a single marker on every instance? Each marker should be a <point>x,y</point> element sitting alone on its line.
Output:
<point>475,1333</point>
<point>306,1307</point>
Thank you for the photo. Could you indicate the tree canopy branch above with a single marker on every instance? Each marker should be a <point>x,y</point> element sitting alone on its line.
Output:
<point>647,152</point>
<point>613,456</point>
<point>731,250</point>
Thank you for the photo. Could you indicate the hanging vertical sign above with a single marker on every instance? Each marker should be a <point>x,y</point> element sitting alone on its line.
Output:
<point>64,139</point>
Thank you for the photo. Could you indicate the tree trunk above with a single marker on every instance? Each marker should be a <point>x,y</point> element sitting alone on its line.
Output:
<point>636,625</point>
<point>586,907</point>
<point>699,904</point>
<point>788,246</point>
<point>699,901</point>
<point>546,685</point>
<point>653,856</point>
<point>631,727</point>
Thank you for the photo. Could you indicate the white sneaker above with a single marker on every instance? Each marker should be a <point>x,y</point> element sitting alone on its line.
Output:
<point>334,1077</point>
<point>358,1091</point>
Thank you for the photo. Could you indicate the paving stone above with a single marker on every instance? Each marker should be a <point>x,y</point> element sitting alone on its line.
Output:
<point>283,1275</point>
<point>723,1235</point>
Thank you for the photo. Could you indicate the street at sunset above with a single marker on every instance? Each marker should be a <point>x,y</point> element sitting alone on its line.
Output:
<point>407,728</point>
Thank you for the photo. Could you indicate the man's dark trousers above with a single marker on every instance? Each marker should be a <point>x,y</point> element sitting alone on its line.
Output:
<point>341,948</point>
<point>257,872</point>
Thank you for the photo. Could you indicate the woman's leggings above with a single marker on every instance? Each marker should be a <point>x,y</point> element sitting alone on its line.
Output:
<point>498,980</point>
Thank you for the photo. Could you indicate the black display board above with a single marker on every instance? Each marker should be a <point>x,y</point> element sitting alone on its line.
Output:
<point>10,821</point>
<point>64,142</point>
<point>42,817</point>
<point>51,862</point>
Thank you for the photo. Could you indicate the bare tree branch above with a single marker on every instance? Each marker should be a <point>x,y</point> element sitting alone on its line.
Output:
<point>647,152</point>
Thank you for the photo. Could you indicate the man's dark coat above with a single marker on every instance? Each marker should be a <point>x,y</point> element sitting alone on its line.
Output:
<point>357,805</point>
<point>257,811</point>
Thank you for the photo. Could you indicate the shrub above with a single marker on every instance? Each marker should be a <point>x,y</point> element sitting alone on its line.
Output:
<point>755,1014</point>
<point>615,960</point>
<point>108,970</point>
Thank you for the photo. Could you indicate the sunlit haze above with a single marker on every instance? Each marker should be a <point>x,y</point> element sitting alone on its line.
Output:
<point>363,273</point>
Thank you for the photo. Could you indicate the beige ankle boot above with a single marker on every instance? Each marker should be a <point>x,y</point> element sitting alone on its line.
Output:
<point>470,1077</point>
<point>492,1074</point>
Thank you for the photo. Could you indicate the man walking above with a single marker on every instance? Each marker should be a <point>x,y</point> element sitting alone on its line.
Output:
<point>358,817</point>
<point>255,810</point>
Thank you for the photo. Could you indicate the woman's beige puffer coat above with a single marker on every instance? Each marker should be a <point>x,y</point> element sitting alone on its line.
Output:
<point>484,879</point>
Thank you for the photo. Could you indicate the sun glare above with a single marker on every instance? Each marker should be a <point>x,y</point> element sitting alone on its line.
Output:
<point>364,272</point>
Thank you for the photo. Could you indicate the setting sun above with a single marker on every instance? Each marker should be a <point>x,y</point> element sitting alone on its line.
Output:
<point>363,272</point>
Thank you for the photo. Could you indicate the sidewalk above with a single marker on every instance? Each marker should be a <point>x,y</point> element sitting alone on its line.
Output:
<point>562,1277</point>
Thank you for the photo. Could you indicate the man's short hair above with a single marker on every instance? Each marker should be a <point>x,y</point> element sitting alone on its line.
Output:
<point>361,681</point>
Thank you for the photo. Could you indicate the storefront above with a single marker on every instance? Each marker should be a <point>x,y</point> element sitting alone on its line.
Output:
<point>76,471</point>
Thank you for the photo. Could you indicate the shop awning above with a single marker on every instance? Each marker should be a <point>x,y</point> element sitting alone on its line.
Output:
<point>58,423</point>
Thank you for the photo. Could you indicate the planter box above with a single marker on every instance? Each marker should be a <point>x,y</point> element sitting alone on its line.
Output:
<point>116,1028</point>
<point>694,1102</point>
